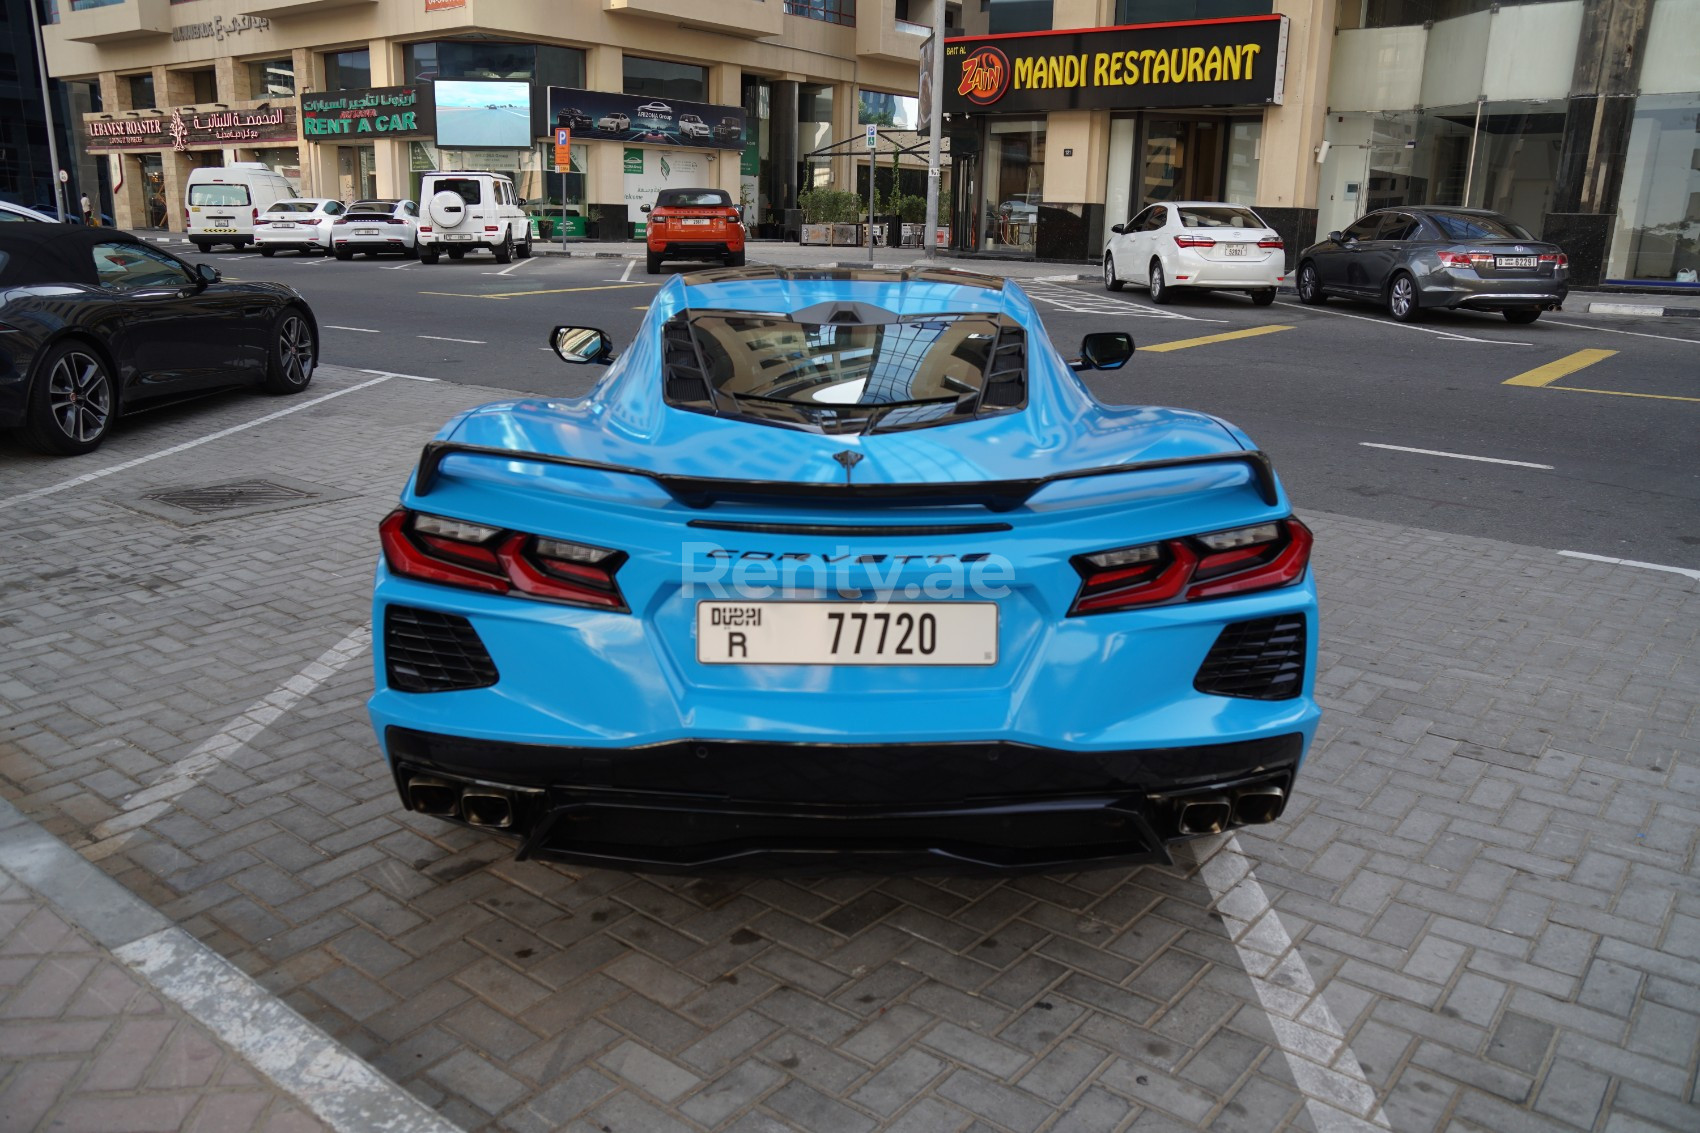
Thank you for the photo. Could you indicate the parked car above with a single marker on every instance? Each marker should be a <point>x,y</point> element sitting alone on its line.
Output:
<point>9,211</point>
<point>572,118</point>
<point>471,209</point>
<point>1414,259</point>
<point>658,110</point>
<point>222,204</point>
<point>371,227</point>
<point>694,224</point>
<point>99,322</point>
<point>1199,245</point>
<point>302,224</point>
<point>846,567</point>
<point>613,123</point>
<point>728,130</point>
<point>691,126</point>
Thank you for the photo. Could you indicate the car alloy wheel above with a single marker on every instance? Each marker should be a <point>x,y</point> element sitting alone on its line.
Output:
<point>1111,283</point>
<point>1159,286</point>
<point>79,397</point>
<point>293,354</point>
<point>1402,298</point>
<point>1309,290</point>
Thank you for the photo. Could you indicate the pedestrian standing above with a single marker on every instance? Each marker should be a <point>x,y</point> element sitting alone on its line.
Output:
<point>88,210</point>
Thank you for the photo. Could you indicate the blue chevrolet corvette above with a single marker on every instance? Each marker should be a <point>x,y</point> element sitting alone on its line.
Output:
<point>843,569</point>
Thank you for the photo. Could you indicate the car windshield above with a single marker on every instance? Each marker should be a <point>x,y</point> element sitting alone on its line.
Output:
<point>851,377</point>
<point>218,194</point>
<point>1218,216</point>
<point>467,187</point>
<point>294,206</point>
<point>692,198</point>
<point>1477,226</point>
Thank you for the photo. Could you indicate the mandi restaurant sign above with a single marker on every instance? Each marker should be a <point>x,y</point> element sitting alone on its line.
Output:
<point>185,128</point>
<point>1229,62</point>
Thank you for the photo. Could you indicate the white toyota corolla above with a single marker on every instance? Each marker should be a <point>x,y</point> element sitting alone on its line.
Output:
<point>1196,244</point>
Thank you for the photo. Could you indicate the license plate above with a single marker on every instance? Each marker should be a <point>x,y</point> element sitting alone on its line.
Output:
<point>847,633</point>
<point>365,231</point>
<point>1514,261</point>
<point>283,224</point>
<point>692,220</point>
<point>1236,249</point>
<point>458,236</point>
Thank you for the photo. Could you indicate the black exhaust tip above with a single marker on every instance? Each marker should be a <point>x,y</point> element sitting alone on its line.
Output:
<point>1207,814</point>
<point>1255,806</point>
<point>432,796</point>
<point>484,806</point>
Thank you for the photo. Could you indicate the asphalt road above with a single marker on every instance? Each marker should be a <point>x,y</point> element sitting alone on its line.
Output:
<point>1602,459</point>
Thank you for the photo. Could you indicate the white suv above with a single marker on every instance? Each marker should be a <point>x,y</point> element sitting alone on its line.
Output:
<point>460,211</point>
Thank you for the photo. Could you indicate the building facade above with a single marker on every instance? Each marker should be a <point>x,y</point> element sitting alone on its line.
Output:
<point>340,95</point>
<point>1577,118</point>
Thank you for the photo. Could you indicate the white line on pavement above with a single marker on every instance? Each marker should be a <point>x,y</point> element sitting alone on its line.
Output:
<point>517,264</point>
<point>403,264</point>
<point>1686,572</point>
<point>1337,1095</point>
<point>409,377</point>
<point>1455,455</point>
<point>362,330</point>
<point>25,497</point>
<point>152,801</point>
<point>440,338</point>
<point>627,274</point>
<point>1615,330</point>
<point>1453,335</point>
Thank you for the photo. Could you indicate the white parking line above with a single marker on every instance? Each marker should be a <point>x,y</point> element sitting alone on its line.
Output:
<point>1453,335</point>
<point>362,330</point>
<point>409,377</point>
<point>36,494</point>
<point>403,264</point>
<point>1337,1095</point>
<point>440,338</point>
<point>1686,572</point>
<point>1069,300</point>
<point>1456,455</point>
<point>1614,330</point>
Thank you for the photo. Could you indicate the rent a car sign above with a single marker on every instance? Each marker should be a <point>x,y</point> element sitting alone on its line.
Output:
<point>1228,62</point>
<point>391,111</point>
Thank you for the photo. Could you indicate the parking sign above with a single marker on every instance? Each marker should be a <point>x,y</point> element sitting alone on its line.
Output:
<point>563,150</point>
<point>873,137</point>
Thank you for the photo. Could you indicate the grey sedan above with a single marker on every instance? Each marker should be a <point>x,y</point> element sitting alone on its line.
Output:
<point>1416,259</point>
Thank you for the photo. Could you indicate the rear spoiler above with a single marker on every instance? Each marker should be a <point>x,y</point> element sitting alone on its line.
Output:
<point>702,491</point>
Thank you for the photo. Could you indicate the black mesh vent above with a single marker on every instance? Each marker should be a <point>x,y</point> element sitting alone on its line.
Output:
<point>1006,372</point>
<point>425,651</point>
<point>686,381</point>
<point>1261,660</point>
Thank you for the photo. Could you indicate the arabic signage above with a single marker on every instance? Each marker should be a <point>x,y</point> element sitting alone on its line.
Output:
<point>367,113</point>
<point>1228,62</point>
<point>217,29</point>
<point>607,116</point>
<point>648,171</point>
<point>186,129</point>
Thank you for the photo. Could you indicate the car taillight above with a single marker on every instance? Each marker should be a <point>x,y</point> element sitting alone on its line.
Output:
<point>434,548</point>
<point>424,228</point>
<point>1195,241</point>
<point>1260,557</point>
<point>256,217</point>
<point>492,228</point>
<point>1558,258</point>
<point>731,214</point>
<point>342,220</point>
<point>1465,259</point>
<point>1271,242</point>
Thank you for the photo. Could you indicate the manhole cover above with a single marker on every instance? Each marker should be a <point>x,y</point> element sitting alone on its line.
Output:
<point>198,503</point>
<point>229,497</point>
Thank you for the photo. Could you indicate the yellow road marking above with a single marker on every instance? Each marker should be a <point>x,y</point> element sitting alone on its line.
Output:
<point>547,291</point>
<point>1225,336</point>
<point>1552,371</point>
<point>1621,393</point>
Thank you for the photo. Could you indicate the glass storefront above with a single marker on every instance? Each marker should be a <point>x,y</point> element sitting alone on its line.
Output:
<point>356,173</point>
<point>1013,162</point>
<point>1192,155</point>
<point>1657,238</point>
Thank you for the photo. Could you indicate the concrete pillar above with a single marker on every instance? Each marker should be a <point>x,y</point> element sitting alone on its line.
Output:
<point>176,168</point>
<point>846,123</point>
<point>782,142</point>
<point>233,79</point>
<point>1287,171</point>
<point>172,88</point>
<point>129,198</point>
<point>725,88</point>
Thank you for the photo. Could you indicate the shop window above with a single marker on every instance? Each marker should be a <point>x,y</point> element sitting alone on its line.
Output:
<point>827,11</point>
<point>270,78</point>
<point>881,109</point>
<point>1658,216</point>
<point>1165,11</point>
<point>141,92</point>
<point>450,59</point>
<point>348,70</point>
<point>658,78</point>
<point>1014,164</point>
<point>1245,150</point>
<point>1018,15</point>
<point>203,85</point>
<point>814,102</point>
<point>1403,13</point>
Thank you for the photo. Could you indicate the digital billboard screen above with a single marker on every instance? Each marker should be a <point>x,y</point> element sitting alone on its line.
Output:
<point>484,115</point>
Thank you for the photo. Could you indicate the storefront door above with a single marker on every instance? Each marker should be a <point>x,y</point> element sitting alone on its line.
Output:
<point>1181,160</point>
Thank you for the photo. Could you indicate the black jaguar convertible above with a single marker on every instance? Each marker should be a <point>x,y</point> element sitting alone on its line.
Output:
<point>95,322</point>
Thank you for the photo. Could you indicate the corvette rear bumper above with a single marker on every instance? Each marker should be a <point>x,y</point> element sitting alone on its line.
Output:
<point>702,805</point>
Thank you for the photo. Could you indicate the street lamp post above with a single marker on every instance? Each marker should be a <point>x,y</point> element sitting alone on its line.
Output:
<point>47,105</point>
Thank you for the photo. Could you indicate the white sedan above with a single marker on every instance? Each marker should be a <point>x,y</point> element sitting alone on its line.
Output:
<point>302,223</point>
<point>377,226</point>
<point>1196,244</point>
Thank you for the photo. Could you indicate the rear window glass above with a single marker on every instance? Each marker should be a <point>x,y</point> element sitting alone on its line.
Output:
<point>692,198</point>
<point>1465,226</point>
<point>372,206</point>
<point>1217,216</point>
<point>294,206</point>
<point>469,189</point>
<point>8,214</point>
<point>218,194</point>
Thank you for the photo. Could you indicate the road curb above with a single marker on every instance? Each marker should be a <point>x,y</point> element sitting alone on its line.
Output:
<point>1643,311</point>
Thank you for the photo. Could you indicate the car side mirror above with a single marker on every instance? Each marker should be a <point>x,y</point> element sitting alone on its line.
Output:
<point>1104,350</point>
<point>520,200</point>
<point>207,274</point>
<point>581,344</point>
<point>1118,229</point>
<point>1336,238</point>
<point>643,208</point>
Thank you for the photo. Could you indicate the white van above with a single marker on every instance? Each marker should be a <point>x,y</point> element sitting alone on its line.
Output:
<point>222,202</point>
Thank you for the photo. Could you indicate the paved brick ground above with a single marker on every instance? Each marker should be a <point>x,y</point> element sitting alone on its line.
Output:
<point>1488,870</point>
